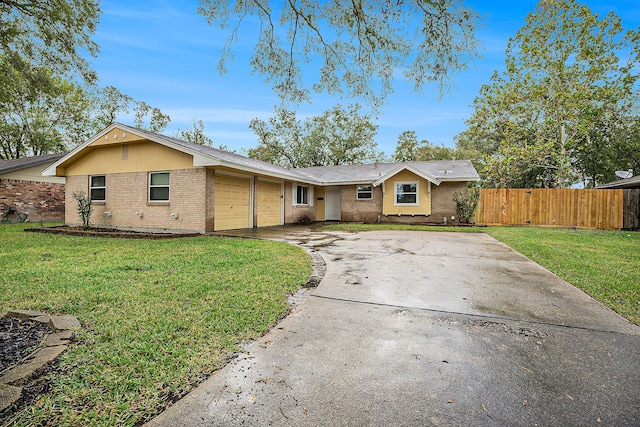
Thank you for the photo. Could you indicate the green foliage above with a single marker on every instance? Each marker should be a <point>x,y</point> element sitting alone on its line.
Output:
<point>39,111</point>
<point>568,94</point>
<point>56,32</point>
<point>158,121</point>
<point>159,316</point>
<point>84,207</point>
<point>408,149</point>
<point>357,45</point>
<point>194,134</point>
<point>337,137</point>
<point>466,203</point>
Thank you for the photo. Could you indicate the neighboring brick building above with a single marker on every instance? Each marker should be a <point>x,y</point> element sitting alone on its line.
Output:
<point>24,190</point>
<point>142,180</point>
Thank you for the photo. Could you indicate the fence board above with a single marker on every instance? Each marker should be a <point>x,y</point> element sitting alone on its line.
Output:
<point>562,207</point>
<point>631,220</point>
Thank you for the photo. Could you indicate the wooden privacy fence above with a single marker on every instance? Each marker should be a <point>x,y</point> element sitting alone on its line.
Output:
<point>561,207</point>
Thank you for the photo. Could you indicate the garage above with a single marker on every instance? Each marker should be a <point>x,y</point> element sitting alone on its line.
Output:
<point>232,202</point>
<point>269,203</point>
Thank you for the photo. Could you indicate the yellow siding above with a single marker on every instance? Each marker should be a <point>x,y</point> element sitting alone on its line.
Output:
<point>424,199</point>
<point>136,157</point>
<point>269,203</point>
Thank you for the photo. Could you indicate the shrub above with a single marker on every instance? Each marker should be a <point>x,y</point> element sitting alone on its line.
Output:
<point>466,203</point>
<point>84,207</point>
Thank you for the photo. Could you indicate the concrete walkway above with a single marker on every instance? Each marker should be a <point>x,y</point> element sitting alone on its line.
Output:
<point>427,328</point>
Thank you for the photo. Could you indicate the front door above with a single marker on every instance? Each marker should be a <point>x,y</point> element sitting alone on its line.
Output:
<point>332,203</point>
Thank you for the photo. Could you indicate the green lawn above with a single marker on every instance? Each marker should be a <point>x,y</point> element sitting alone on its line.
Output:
<point>604,264</point>
<point>159,315</point>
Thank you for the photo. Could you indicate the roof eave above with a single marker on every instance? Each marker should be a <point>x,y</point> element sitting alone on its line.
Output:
<point>411,169</point>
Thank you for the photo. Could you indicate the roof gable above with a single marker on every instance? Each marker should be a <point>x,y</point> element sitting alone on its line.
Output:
<point>202,155</point>
<point>408,167</point>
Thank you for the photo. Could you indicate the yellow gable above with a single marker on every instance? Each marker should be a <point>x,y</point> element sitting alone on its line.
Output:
<point>422,195</point>
<point>119,152</point>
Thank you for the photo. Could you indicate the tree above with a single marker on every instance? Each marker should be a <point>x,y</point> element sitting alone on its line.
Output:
<point>56,32</point>
<point>194,134</point>
<point>158,121</point>
<point>360,44</point>
<point>42,113</point>
<point>551,117</point>
<point>337,137</point>
<point>39,111</point>
<point>408,149</point>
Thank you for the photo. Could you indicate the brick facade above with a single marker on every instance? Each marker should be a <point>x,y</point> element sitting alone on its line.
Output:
<point>442,205</point>
<point>354,210</point>
<point>44,201</point>
<point>126,204</point>
<point>297,214</point>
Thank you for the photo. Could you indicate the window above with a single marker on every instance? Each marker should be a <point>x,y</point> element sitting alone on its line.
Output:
<point>406,193</point>
<point>302,195</point>
<point>159,186</point>
<point>365,192</point>
<point>97,188</point>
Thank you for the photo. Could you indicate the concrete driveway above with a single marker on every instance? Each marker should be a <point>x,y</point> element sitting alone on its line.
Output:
<point>428,328</point>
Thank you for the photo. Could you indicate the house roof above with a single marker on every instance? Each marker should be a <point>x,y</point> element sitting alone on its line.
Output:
<point>633,182</point>
<point>12,165</point>
<point>202,155</point>
<point>436,171</point>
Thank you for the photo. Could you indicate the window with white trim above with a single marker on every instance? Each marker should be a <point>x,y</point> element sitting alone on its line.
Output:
<point>364,192</point>
<point>158,186</point>
<point>302,195</point>
<point>98,188</point>
<point>406,193</point>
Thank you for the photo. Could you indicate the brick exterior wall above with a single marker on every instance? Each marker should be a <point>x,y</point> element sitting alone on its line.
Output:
<point>442,205</point>
<point>126,197</point>
<point>293,214</point>
<point>354,210</point>
<point>44,201</point>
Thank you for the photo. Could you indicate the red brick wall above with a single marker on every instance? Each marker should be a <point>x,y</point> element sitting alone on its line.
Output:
<point>42,200</point>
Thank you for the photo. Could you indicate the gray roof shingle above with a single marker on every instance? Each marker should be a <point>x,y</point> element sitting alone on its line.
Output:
<point>437,171</point>
<point>11,165</point>
<point>444,170</point>
<point>633,182</point>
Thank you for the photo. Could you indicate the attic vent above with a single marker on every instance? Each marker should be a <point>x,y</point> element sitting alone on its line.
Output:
<point>125,151</point>
<point>444,172</point>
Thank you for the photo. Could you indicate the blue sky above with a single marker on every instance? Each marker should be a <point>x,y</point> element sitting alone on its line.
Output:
<point>164,53</point>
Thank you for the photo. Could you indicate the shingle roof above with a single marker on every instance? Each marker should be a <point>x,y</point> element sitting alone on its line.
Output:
<point>633,182</point>
<point>11,165</point>
<point>442,170</point>
<point>225,156</point>
<point>435,171</point>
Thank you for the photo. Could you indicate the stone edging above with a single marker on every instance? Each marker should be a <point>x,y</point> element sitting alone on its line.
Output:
<point>54,343</point>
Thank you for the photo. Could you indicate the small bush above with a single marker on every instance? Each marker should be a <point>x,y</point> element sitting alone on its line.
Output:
<point>466,203</point>
<point>84,207</point>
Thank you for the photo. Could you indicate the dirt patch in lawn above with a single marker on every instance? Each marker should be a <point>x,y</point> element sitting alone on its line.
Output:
<point>108,232</point>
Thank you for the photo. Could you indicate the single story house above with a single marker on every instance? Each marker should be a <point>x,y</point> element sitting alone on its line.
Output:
<point>142,180</point>
<point>24,190</point>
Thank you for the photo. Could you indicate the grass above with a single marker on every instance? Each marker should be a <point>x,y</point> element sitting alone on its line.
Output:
<point>604,264</point>
<point>159,315</point>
